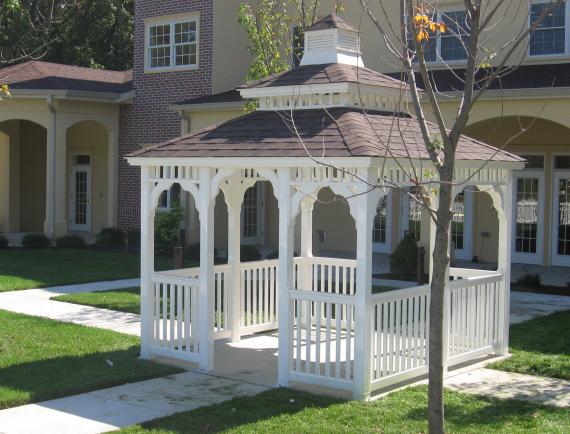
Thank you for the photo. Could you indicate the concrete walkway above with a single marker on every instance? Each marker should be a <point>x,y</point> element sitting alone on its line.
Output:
<point>117,407</point>
<point>508,385</point>
<point>528,305</point>
<point>37,302</point>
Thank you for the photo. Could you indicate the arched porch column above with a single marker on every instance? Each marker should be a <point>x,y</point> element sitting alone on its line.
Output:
<point>307,206</point>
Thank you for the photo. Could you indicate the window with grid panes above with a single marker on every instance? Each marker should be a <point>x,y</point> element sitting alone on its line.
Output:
<point>550,35</point>
<point>173,44</point>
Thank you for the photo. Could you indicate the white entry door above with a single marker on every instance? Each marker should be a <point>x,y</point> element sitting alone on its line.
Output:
<point>381,233</point>
<point>80,203</point>
<point>461,225</point>
<point>528,212</point>
<point>561,219</point>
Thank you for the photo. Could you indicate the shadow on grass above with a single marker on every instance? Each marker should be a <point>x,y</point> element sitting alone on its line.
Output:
<point>240,411</point>
<point>470,413</point>
<point>56,377</point>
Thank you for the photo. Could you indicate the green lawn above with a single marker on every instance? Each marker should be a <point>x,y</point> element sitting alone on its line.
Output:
<point>42,359</point>
<point>401,412</point>
<point>41,268</point>
<point>124,300</point>
<point>540,347</point>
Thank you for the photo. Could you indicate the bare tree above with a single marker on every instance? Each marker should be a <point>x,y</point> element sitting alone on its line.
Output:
<point>419,22</point>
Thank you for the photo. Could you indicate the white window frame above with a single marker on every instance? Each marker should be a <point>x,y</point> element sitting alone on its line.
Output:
<point>556,259</point>
<point>466,253</point>
<point>405,202</point>
<point>538,257</point>
<point>171,20</point>
<point>386,247</point>
<point>168,206</point>
<point>438,59</point>
<point>259,238</point>
<point>566,28</point>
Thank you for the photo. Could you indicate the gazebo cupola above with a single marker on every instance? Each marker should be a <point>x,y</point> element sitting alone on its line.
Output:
<point>331,74</point>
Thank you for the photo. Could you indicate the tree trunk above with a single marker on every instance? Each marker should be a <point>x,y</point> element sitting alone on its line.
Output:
<point>440,264</point>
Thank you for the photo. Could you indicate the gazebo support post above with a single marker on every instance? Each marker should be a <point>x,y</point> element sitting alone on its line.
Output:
<point>363,210</point>
<point>285,275</point>
<point>504,260</point>
<point>206,290</point>
<point>307,206</point>
<point>234,200</point>
<point>147,262</point>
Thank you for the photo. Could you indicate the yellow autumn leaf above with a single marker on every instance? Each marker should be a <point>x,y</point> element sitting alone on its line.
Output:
<point>433,26</point>
<point>422,35</point>
<point>442,27</point>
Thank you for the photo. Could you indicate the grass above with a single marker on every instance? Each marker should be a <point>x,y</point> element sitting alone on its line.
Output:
<point>540,347</point>
<point>401,412</point>
<point>123,300</point>
<point>42,268</point>
<point>43,359</point>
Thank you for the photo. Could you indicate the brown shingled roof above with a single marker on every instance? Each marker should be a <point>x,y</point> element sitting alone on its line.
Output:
<point>346,132</point>
<point>54,76</point>
<point>326,74</point>
<point>332,21</point>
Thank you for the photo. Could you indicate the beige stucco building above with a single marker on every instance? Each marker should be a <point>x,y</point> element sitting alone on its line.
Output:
<point>44,133</point>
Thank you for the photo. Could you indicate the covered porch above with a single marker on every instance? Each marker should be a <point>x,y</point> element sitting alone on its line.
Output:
<point>330,328</point>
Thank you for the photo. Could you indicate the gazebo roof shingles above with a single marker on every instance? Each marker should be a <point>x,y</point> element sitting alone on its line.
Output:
<point>330,73</point>
<point>337,132</point>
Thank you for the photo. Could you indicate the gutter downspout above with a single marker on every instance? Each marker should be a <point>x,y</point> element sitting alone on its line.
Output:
<point>50,168</point>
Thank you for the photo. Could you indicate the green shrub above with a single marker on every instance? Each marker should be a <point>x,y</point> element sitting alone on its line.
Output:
<point>35,241</point>
<point>134,238</point>
<point>70,242</point>
<point>110,237</point>
<point>404,259</point>
<point>167,229</point>
<point>249,254</point>
<point>3,242</point>
<point>529,281</point>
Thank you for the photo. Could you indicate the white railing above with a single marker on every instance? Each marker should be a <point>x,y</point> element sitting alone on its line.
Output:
<point>400,326</point>
<point>469,273</point>
<point>258,296</point>
<point>322,338</point>
<point>222,287</point>
<point>329,275</point>
<point>474,317</point>
<point>175,316</point>
<point>400,321</point>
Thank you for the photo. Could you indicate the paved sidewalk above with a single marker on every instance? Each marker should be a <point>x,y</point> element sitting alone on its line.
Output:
<point>529,305</point>
<point>117,407</point>
<point>508,385</point>
<point>37,302</point>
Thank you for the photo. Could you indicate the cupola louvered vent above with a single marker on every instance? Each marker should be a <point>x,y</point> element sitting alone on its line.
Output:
<point>348,41</point>
<point>320,41</point>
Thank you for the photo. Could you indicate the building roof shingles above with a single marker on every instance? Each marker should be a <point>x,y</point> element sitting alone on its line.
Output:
<point>338,132</point>
<point>332,21</point>
<point>53,76</point>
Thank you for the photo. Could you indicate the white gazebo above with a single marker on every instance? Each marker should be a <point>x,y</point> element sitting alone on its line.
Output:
<point>332,330</point>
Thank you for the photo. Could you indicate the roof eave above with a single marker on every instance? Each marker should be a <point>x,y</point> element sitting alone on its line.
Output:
<point>111,97</point>
<point>227,105</point>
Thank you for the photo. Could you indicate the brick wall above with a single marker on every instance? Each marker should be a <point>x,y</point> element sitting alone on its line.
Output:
<point>148,120</point>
